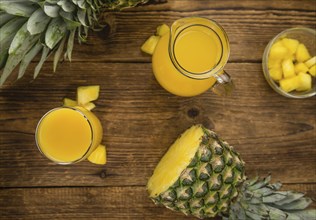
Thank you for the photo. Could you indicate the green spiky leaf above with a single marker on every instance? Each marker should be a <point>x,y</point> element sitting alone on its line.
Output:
<point>44,56</point>
<point>17,9</point>
<point>58,53</point>
<point>70,44</point>
<point>4,18</point>
<point>48,25</point>
<point>38,21</point>
<point>51,10</point>
<point>55,32</point>
<point>66,5</point>
<point>28,58</point>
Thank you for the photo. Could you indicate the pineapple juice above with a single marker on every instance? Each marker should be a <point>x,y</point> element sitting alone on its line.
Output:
<point>67,135</point>
<point>197,49</point>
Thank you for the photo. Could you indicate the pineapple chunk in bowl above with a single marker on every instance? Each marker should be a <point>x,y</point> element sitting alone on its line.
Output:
<point>289,63</point>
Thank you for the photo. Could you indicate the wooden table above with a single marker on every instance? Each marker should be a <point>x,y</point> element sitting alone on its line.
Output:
<point>273,134</point>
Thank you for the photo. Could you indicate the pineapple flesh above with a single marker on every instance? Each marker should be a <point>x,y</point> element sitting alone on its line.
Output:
<point>291,65</point>
<point>98,156</point>
<point>86,94</point>
<point>199,174</point>
<point>150,44</point>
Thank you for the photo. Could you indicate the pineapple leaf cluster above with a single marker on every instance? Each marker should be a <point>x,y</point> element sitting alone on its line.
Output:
<point>259,199</point>
<point>49,27</point>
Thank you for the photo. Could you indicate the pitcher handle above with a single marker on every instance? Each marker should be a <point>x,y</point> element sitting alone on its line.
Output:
<point>224,84</point>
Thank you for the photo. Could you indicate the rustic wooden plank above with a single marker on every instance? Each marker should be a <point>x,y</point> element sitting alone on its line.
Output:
<point>186,5</point>
<point>93,203</point>
<point>273,133</point>
<point>250,25</point>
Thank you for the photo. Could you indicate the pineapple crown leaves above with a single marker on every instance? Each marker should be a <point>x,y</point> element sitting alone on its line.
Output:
<point>261,200</point>
<point>29,27</point>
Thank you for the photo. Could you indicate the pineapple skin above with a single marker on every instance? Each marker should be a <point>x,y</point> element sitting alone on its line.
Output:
<point>209,183</point>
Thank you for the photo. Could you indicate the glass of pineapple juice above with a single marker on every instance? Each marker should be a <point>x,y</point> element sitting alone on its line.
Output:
<point>190,59</point>
<point>68,135</point>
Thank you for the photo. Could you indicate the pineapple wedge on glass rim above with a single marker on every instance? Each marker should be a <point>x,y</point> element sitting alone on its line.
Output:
<point>203,176</point>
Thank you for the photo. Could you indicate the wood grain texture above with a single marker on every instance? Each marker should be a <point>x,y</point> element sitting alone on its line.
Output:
<point>141,121</point>
<point>250,25</point>
<point>91,203</point>
<point>273,134</point>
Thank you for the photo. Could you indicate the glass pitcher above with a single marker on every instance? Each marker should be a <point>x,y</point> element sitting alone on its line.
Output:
<point>190,59</point>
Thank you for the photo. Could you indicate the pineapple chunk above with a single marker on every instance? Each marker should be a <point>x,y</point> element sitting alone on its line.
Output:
<point>312,71</point>
<point>69,102</point>
<point>86,94</point>
<point>288,68</point>
<point>302,53</point>
<point>274,63</point>
<point>98,156</point>
<point>290,44</point>
<point>300,67</point>
<point>150,44</point>
<point>89,106</point>
<point>304,82</point>
<point>289,84</point>
<point>278,51</point>
<point>276,74</point>
<point>311,62</point>
<point>162,29</point>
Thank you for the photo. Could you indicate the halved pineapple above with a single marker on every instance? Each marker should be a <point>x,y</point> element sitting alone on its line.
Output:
<point>150,44</point>
<point>98,156</point>
<point>199,174</point>
<point>175,161</point>
<point>86,94</point>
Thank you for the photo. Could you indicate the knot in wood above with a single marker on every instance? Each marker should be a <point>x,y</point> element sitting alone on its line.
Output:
<point>193,112</point>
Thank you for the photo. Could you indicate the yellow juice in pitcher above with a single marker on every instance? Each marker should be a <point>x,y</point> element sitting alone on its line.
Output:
<point>67,135</point>
<point>197,49</point>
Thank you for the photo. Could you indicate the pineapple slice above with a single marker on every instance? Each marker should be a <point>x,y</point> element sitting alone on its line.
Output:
<point>290,44</point>
<point>289,84</point>
<point>278,51</point>
<point>69,102</point>
<point>150,44</point>
<point>288,68</point>
<point>86,94</point>
<point>89,106</point>
<point>98,156</point>
<point>300,67</point>
<point>311,62</point>
<point>304,82</point>
<point>312,71</point>
<point>276,74</point>
<point>162,30</point>
<point>302,53</point>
